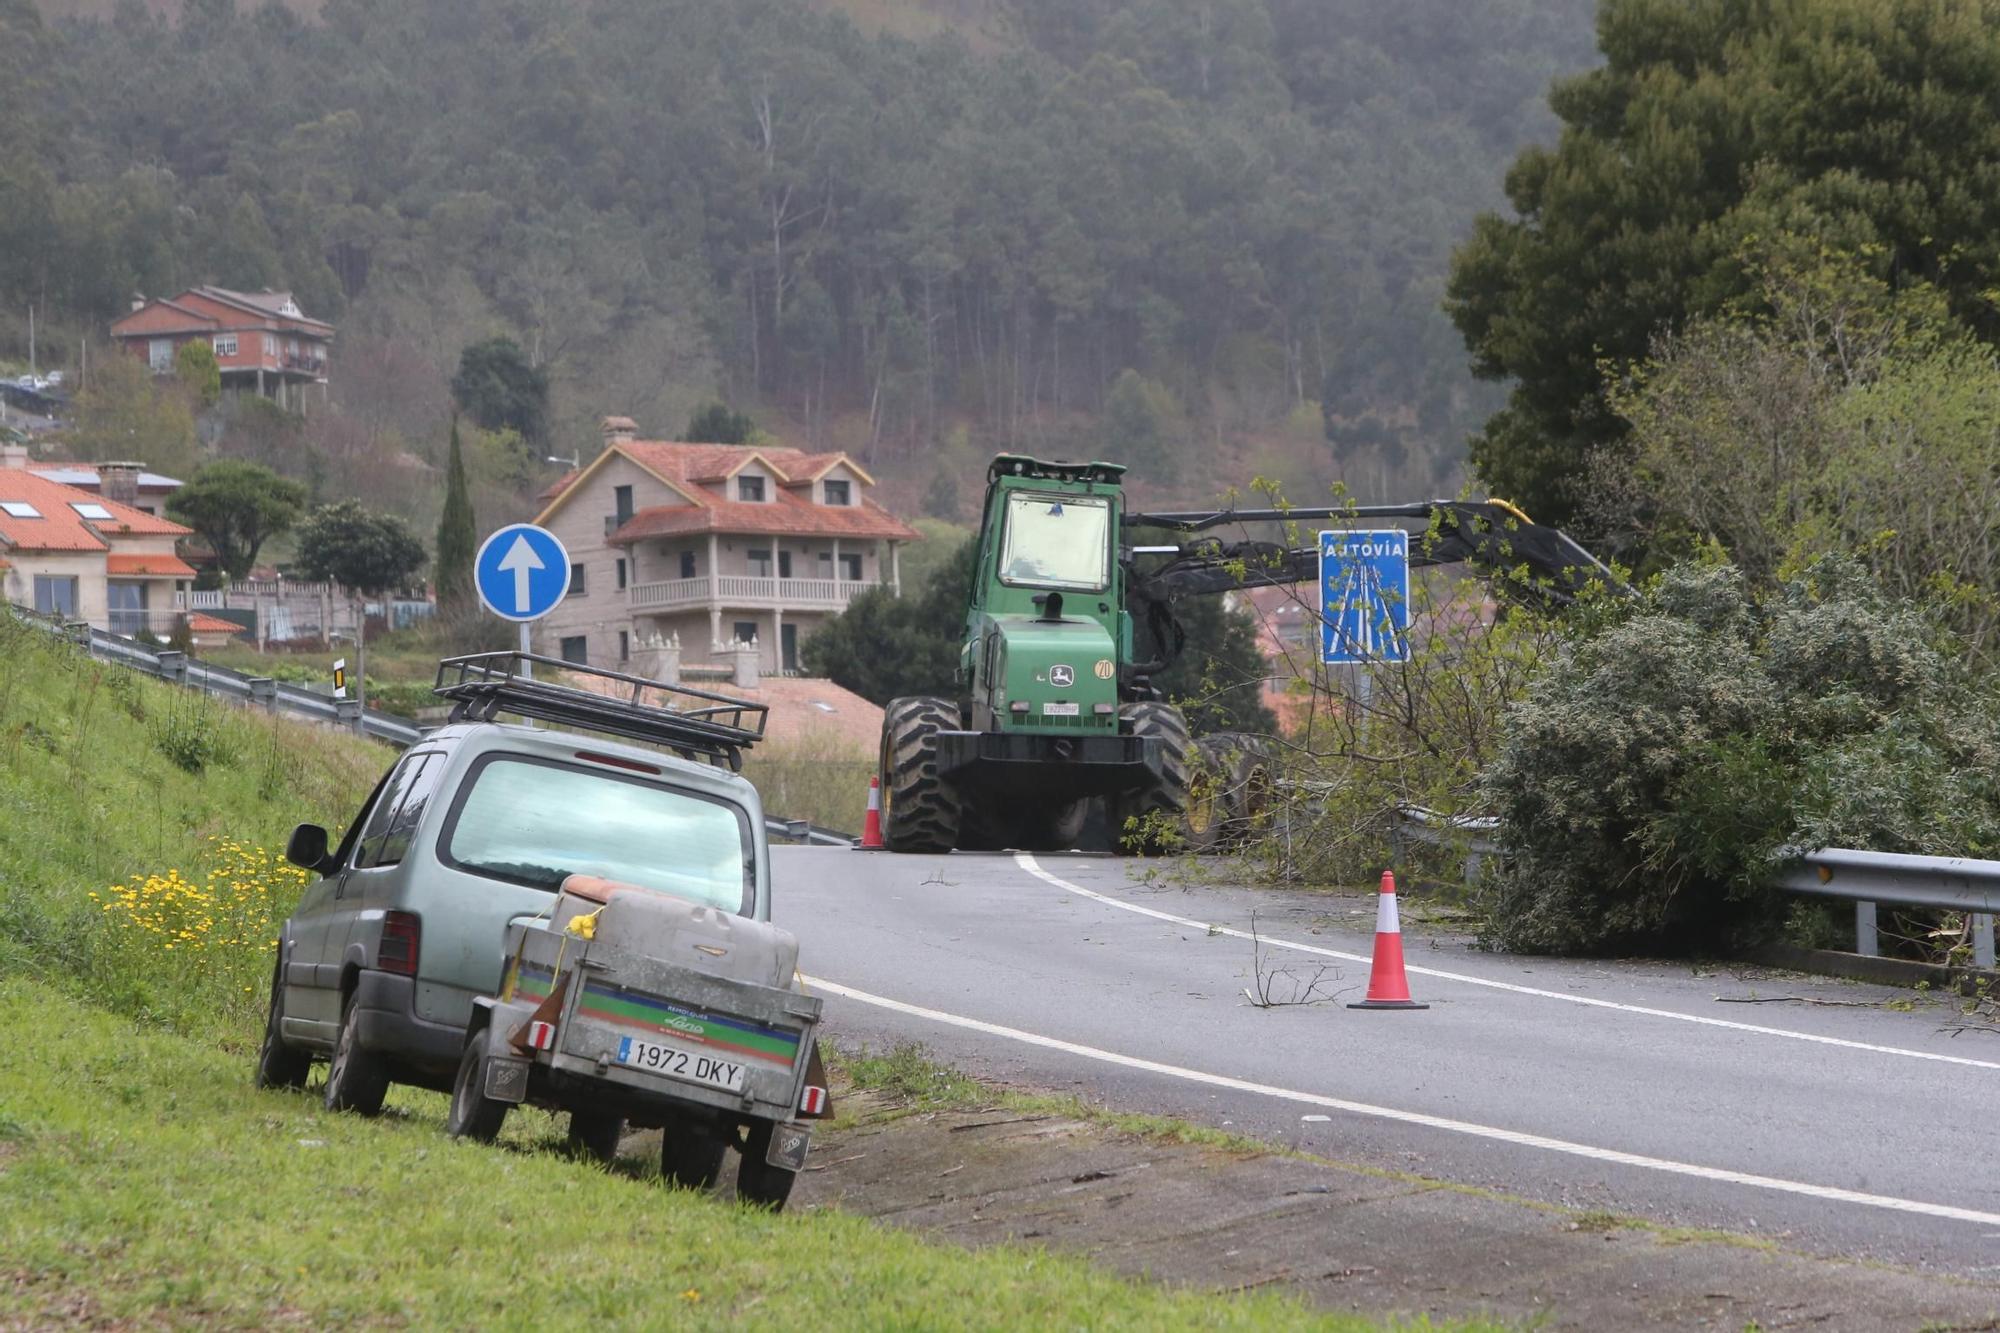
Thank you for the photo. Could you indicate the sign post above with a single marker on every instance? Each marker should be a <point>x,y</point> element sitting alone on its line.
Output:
<point>1364,589</point>
<point>521,574</point>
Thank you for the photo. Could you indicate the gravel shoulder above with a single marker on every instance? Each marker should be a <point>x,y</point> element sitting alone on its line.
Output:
<point>1235,1217</point>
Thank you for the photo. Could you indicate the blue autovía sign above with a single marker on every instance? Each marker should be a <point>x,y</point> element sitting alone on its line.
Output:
<point>1364,589</point>
<point>521,572</point>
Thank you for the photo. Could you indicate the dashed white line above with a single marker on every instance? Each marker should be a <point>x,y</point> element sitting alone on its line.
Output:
<point>1028,863</point>
<point>1465,1127</point>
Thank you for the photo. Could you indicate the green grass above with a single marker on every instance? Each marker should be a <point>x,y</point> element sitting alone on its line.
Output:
<point>105,775</point>
<point>143,1180</point>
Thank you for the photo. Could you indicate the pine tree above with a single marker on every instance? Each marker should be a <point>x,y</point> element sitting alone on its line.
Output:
<point>457,537</point>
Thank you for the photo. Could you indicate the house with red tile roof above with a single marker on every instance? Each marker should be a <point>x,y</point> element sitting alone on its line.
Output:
<point>263,342</point>
<point>711,544</point>
<point>84,556</point>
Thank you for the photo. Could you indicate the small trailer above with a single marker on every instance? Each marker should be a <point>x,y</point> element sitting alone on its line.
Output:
<point>633,1007</point>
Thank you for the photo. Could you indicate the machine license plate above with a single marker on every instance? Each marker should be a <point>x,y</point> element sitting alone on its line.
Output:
<point>690,1066</point>
<point>1060,710</point>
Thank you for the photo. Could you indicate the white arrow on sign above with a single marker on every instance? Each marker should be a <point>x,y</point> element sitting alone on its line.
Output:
<point>520,561</point>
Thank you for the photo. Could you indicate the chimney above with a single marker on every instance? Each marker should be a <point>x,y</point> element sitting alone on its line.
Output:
<point>13,455</point>
<point>138,300</point>
<point>119,482</point>
<point>618,430</point>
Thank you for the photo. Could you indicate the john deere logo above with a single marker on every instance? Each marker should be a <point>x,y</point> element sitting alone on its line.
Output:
<point>1062,675</point>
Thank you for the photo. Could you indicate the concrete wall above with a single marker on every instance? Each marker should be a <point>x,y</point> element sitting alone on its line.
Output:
<point>86,567</point>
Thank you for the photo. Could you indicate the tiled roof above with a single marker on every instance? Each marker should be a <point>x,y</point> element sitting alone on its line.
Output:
<point>159,566</point>
<point>785,515</point>
<point>85,474</point>
<point>557,487</point>
<point>202,623</point>
<point>60,527</point>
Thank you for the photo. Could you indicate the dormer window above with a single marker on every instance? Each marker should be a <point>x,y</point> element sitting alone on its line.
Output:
<point>750,489</point>
<point>837,493</point>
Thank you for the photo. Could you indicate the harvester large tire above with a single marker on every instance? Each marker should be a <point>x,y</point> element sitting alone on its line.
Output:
<point>920,810</point>
<point>1205,818</point>
<point>1160,805</point>
<point>1252,790</point>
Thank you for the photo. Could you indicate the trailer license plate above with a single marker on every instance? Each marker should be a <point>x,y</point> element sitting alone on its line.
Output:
<point>674,1062</point>
<point>1060,710</point>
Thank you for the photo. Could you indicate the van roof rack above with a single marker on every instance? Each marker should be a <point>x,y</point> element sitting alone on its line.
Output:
<point>687,720</point>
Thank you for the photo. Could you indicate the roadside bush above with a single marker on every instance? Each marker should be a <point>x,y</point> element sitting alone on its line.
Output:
<point>1678,751</point>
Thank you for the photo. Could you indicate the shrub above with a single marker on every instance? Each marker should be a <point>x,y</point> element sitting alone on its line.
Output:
<point>1677,752</point>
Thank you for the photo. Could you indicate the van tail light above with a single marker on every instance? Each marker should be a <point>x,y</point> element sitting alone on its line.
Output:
<point>401,933</point>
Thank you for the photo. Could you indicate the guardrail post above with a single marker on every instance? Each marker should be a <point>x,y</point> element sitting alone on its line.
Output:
<point>1982,940</point>
<point>264,690</point>
<point>348,711</point>
<point>78,631</point>
<point>173,665</point>
<point>1864,930</point>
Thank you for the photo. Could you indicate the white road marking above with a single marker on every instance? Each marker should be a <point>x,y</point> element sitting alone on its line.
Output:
<point>1465,1127</point>
<point>1028,863</point>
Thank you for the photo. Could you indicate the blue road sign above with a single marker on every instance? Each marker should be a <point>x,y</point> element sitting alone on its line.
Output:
<point>1364,590</point>
<point>521,572</point>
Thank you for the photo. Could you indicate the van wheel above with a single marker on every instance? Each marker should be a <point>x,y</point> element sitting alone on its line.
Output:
<point>595,1134</point>
<point>473,1114</point>
<point>279,1065</point>
<point>691,1154</point>
<point>355,1080</point>
<point>757,1181</point>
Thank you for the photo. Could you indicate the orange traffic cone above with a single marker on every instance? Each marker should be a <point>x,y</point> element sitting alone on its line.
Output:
<point>871,825</point>
<point>1388,988</point>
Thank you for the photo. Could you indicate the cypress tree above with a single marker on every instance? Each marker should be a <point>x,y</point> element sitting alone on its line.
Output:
<point>457,537</point>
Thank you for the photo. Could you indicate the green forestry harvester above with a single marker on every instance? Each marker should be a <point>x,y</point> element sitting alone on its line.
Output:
<point>1053,711</point>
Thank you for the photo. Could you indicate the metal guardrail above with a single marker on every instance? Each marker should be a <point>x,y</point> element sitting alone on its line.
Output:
<point>1943,883</point>
<point>178,668</point>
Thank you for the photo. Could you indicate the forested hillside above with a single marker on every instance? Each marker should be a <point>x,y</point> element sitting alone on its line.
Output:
<point>1208,236</point>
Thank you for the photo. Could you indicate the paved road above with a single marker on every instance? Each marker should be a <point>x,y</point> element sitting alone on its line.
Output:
<point>1841,1130</point>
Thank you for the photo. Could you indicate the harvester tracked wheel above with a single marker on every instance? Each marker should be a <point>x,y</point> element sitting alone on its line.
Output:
<point>1160,805</point>
<point>920,810</point>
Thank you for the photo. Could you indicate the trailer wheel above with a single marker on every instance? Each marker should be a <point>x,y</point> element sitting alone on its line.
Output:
<point>595,1134</point>
<point>473,1115</point>
<point>1165,796</point>
<point>920,810</point>
<point>279,1065</point>
<point>757,1181</point>
<point>691,1154</point>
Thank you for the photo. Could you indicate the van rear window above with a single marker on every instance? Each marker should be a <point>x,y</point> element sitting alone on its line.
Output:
<point>537,822</point>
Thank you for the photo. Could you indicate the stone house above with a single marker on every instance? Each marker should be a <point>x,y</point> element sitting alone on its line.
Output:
<point>710,544</point>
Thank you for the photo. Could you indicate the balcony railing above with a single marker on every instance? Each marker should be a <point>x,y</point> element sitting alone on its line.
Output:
<point>747,590</point>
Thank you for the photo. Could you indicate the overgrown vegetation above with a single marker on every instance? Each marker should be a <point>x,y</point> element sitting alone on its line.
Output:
<point>1681,746</point>
<point>1712,128</point>
<point>1234,211</point>
<point>117,790</point>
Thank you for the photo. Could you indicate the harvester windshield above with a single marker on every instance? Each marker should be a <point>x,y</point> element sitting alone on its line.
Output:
<point>1056,541</point>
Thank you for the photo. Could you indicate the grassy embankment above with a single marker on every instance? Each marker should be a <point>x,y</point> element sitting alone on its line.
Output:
<point>143,1179</point>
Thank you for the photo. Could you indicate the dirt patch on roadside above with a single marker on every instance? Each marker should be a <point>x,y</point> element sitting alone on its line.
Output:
<point>1336,1236</point>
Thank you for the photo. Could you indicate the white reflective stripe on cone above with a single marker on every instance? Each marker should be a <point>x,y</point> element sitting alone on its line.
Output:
<point>1385,915</point>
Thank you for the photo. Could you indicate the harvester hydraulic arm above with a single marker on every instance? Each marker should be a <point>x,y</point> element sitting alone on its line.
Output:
<point>1492,535</point>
